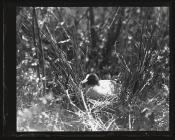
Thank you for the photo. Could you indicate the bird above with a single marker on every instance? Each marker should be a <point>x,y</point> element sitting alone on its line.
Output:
<point>97,89</point>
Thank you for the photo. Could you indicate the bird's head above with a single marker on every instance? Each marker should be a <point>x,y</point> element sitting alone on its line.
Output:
<point>90,80</point>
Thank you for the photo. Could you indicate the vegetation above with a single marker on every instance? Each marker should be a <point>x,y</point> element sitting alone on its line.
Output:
<point>58,46</point>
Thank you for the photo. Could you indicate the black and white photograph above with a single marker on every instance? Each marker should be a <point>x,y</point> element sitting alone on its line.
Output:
<point>92,69</point>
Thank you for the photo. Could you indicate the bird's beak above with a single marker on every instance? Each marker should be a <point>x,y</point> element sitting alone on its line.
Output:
<point>84,81</point>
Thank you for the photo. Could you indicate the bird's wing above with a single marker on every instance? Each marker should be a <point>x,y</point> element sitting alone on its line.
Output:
<point>95,93</point>
<point>107,86</point>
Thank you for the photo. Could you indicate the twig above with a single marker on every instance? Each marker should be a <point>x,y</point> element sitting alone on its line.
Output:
<point>84,103</point>
<point>123,62</point>
<point>50,34</point>
<point>130,127</point>
<point>66,91</point>
<point>114,18</point>
<point>61,25</point>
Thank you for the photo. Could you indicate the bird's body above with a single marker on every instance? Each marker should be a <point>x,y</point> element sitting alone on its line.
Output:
<point>99,89</point>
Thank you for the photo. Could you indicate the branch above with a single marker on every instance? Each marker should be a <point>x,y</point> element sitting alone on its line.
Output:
<point>41,47</point>
<point>34,41</point>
